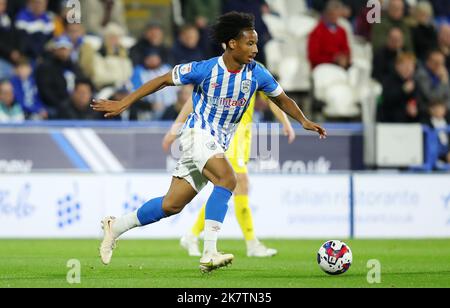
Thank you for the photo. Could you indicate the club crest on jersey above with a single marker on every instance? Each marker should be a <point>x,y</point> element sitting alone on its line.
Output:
<point>246,86</point>
<point>211,145</point>
<point>186,69</point>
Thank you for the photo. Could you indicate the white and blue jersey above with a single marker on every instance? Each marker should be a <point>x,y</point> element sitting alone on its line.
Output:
<point>221,97</point>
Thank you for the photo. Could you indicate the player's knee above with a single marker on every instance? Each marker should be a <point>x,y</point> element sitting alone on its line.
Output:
<point>171,207</point>
<point>229,181</point>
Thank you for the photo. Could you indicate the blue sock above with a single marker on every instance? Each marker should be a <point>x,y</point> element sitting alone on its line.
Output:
<point>217,205</point>
<point>151,212</point>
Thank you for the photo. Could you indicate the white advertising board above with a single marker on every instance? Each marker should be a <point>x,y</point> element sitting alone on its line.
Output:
<point>402,206</point>
<point>308,206</point>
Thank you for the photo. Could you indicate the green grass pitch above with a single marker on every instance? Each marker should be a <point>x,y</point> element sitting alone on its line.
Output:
<point>154,264</point>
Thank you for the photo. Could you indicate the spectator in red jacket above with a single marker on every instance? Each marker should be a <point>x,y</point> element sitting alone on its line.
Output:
<point>328,43</point>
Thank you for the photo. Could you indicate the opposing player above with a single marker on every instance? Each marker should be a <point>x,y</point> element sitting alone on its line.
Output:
<point>238,155</point>
<point>223,88</point>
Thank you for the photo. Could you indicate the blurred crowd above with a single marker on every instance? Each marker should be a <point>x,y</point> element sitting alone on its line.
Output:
<point>51,69</point>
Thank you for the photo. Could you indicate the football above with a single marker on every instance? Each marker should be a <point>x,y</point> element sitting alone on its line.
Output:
<point>335,257</point>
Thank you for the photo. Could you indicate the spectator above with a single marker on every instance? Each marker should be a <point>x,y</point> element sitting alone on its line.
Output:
<point>352,8</point>
<point>9,110</point>
<point>424,34</point>
<point>438,118</point>
<point>172,112</point>
<point>202,13</point>
<point>432,80</point>
<point>400,92</point>
<point>363,28</point>
<point>394,17</point>
<point>153,38</point>
<point>26,92</point>
<point>78,106</point>
<point>83,53</point>
<point>56,76</point>
<point>328,43</point>
<point>36,26</point>
<point>61,13</point>
<point>187,49</point>
<point>112,67</point>
<point>9,47</point>
<point>385,58</point>
<point>444,44</point>
<point>153,67</point>
<point>363,25</point>
<point>96,15</point>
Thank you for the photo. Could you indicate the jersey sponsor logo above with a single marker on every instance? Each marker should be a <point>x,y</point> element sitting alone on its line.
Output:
<point>246,86</point>
<point>186,69</point>
<point>228,102</point>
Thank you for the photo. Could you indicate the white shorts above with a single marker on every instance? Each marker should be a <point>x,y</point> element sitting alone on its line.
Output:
<point>198,147</point>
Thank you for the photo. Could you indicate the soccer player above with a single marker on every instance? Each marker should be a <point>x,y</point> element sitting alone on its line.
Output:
<point>239,155</point>
<point>223,88</point>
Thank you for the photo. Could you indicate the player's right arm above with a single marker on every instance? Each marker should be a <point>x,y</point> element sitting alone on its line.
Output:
<point>115,108</point>
<point>172,134</point>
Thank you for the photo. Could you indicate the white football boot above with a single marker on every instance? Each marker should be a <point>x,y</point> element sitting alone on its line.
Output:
<point>190,243</point>
<point>215,261</point>
<point>109,240</point>
<point>256,249</point>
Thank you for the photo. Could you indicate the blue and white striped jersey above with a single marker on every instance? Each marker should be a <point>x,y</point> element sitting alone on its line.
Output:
<point>221,97</point>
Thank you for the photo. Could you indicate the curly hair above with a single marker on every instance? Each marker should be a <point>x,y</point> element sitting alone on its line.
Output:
<point>231,25</point>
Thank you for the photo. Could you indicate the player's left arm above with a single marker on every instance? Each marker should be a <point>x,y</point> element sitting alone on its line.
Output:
<point>286,104</point>
<point>288,130</point>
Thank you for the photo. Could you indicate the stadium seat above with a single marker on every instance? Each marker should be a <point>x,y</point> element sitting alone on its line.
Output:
<point>326,75</point>
<point>340,102</point>
<point>301,25</point>
<point>276,26</point>
<point>294,7</point>
<point>274,56</point>
<point>347,26</point>
<point>289,66</point>
<point>288,7</point>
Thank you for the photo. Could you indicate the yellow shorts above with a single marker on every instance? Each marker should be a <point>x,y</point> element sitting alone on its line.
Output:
<point>240,149</point>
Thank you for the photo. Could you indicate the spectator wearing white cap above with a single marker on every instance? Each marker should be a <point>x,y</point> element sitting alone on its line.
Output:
<point>112,66</point>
